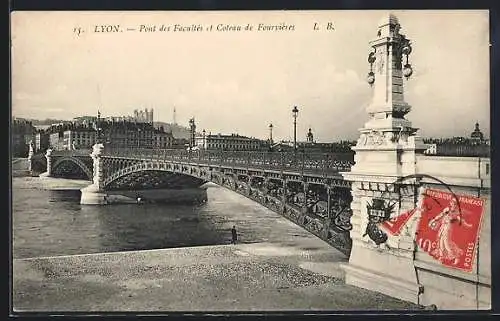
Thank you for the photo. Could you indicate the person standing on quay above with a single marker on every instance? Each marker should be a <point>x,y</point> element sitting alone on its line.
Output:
<point>234,235</point>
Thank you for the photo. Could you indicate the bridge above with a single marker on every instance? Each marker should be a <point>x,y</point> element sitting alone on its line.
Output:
<point>306,188</point>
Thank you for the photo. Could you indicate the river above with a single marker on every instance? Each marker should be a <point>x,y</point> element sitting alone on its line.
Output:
<point>48,220</point>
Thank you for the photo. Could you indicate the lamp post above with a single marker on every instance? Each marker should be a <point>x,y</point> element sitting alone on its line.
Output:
<point>98,127</point>
<point>204,139</point>
<point>192,127</point>
<point>295,111</point>
<point>270,135</point>
<point>138,137</point>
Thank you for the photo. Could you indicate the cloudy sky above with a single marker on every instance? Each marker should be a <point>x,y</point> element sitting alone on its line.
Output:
<point>240,81</point>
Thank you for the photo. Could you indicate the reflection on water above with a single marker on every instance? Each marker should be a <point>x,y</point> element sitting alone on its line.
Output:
<point>52,222</point>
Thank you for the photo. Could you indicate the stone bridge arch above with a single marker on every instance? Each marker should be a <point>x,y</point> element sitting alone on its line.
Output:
<point>75,160</point>
<point>39,163</point>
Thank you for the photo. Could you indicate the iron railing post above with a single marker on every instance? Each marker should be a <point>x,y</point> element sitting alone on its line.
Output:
<point>302,162</point>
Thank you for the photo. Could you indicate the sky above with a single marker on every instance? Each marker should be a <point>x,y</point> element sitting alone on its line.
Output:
<point>241,81</point>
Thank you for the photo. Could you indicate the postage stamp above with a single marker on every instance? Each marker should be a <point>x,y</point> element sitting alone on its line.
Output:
<point>444,224</point>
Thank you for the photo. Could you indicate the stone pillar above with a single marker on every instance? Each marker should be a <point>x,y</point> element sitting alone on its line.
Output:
<point>94,194</point>
<point>284,194</point>
<point>265,183</point>
<point>385,154</point>
<point>30,156</point>
<point>328,203</point>
<point>48,156</point>
<point>304,205</point>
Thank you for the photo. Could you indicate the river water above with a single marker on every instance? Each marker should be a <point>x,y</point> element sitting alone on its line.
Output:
<point>48,220</point>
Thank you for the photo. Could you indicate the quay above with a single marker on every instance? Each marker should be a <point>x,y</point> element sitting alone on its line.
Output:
<point>298,274</point>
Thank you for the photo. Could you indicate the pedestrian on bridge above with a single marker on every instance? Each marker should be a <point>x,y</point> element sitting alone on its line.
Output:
<point>234,235</point>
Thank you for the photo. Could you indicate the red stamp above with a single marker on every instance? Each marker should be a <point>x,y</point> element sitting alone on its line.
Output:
<point>449,227</point>
<point>395,224</point>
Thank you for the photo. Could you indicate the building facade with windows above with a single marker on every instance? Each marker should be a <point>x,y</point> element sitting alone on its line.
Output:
<point>56,140</point>
<point>22,133</point>
<point>79,138</point>
<point>41,141</point>
<point>233,142</point>
<point>126,134</point>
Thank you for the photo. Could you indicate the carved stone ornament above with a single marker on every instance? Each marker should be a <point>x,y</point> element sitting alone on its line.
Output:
<point>375,138</point>
<point>362,140</point>
<point>378,211</point>
<point>403,138</point>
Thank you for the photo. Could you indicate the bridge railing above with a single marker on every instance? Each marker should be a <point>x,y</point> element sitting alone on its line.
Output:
<point>284,160</point>
<point>74,152</point>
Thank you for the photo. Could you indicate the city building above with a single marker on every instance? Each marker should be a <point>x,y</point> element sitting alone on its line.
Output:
<point>126,134</point>
<point>235,142</point>
<point>477,145</point>
<point>41,141</point>
<point>312,146</point>
<point>281,146</point>
<point>180,143</point>
<point>67,136</point>
<point>431,150</point>
<point>85,131</point>
<point>22,133</point>
<point>201,140</point>
<point>79,138</point>
<point>56,140</point>
<point>162,139</point>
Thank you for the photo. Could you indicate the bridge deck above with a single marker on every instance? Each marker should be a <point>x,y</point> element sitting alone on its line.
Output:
<point>317,164</point>
<point>322,165</point>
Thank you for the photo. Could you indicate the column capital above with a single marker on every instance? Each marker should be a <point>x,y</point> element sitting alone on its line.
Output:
<point>97,150</point>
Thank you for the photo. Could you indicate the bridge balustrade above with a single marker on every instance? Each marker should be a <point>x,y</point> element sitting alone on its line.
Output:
<point>74,152</point>
<point>289,160</point>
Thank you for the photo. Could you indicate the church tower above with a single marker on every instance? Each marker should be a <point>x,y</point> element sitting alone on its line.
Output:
<point>310,137</point>
<point>477,135</point>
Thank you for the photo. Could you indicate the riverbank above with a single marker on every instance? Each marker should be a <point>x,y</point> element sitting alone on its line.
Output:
<point>50,183</point>
<point>20,167</point>
<point>299,275</point>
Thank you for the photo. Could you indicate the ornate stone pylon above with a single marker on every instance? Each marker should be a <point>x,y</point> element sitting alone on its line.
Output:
<point>30,157</point>
<point>94,194</point>
<point>48,156</point>
<point>385,156</point>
